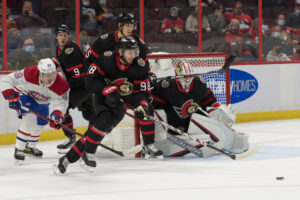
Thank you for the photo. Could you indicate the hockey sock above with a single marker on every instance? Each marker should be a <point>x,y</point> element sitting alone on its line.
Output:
<point>93,137</point>
<point>76,151</point>
<point>147,130</point>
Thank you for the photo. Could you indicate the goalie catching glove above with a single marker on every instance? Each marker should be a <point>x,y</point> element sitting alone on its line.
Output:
<point>224,113</point>
<point>56,119</point>
<point>142,112</point>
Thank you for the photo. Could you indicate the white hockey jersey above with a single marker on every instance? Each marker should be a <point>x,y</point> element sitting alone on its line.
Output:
<point>27,81</point>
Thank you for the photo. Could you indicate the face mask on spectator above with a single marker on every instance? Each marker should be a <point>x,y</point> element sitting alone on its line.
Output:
<point>281,22</point>
<point>29,48</point>
<point>264,27</point>
<point>276,34</point>
<point>102,2</point>
<point>85,3</point>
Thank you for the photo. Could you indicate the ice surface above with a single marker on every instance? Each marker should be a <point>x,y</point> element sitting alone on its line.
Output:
<point>212,178</point>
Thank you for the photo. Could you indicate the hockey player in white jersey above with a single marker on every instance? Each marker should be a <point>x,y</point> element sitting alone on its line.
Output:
<point>35,87</point>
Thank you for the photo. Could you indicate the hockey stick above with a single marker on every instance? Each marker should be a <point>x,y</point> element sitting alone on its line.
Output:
<point>219,71</point>
<point>125,153</point>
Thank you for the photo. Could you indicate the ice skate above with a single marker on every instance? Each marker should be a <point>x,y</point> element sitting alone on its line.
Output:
<point>33,151</point>
<point>61,167</point>
<point>151,152</point>
<point>66,145</point>
<point>88,161</point>
<point>19,156</point>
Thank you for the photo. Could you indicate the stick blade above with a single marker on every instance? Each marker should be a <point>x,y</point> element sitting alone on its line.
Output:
<point>131,151</point>
<point>252,150</point>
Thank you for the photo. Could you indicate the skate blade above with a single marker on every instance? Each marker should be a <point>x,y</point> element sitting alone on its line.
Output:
<point>19,162</point>
<point>149,157</point>
<point>86,167</point>
<point>63,151</point>
<point>57,171</point>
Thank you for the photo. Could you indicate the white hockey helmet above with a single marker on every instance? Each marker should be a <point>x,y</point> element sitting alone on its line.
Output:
<point>46,66</point>
<point>183,68</point>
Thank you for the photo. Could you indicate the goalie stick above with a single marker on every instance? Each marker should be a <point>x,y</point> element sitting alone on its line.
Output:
<point>219,71</point>
<point>125,153</point>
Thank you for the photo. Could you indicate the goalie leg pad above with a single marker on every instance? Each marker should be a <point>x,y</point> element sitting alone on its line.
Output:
<point>232,140</point>
<point>240,143</point>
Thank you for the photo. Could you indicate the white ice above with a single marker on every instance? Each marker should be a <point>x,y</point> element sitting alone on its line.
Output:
<point>217,177</point>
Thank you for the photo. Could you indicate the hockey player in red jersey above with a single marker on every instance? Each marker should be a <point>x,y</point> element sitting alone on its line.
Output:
<point>181,100</point>
<point>35,87</point>
<point>108,42</point>
<point>115,78</point>
<point>70,59</point>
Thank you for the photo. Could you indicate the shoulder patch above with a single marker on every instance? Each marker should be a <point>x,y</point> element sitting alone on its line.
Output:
<point>108,53</point>
<point>165,84</point>
<point>104,36</point>
<point>69,50</point>
<point>141,62</point>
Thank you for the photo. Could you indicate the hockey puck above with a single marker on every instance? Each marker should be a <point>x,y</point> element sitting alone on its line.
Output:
<point>279,178</point>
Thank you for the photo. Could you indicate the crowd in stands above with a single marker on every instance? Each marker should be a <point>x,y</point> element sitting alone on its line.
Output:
<point>230,26</point>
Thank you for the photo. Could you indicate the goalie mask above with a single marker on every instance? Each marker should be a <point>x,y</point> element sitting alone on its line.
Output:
<point>184,69</point>
<point>47,70</point>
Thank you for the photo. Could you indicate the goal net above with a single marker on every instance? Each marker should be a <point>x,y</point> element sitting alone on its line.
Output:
<point>126,134</point>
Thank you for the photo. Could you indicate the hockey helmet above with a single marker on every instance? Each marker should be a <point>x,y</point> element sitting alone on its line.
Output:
<point>126,18</point>
<point>184,69</point>
<point>62,28</point>
<point>127,43</point>
<point>46,66</point>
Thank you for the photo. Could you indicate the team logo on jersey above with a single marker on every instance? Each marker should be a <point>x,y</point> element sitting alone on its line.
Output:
<point>165,84</point>
<point>125,88</point>
<point>107,53</point>
<point>187,109</point>
<point>38,96</point>
<point>69,50</point>
<point>104,36</point>
<point>141,62</point>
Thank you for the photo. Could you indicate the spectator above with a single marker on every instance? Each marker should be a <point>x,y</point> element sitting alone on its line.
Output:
<point>247,49</point>
<point>280,21</point>
<point>296,56</point>
<point>244,19</point>
<point>103,15</point>
<point>231,37</point>
<point>216,20</point>
<point>191,24</point>
<point>293,19</point>
<point>172,23</point>
<point>28,18</point>
<point>234,32</point>
<point>276,54</point>
<point>27,56</point>
<point>88,16</point>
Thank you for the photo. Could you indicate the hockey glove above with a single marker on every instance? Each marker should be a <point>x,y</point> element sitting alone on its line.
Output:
<point>13,98</point>
<point>112,96</point>
<point>224,113</point>
<point>56,119</point>
<point>142,112</point>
